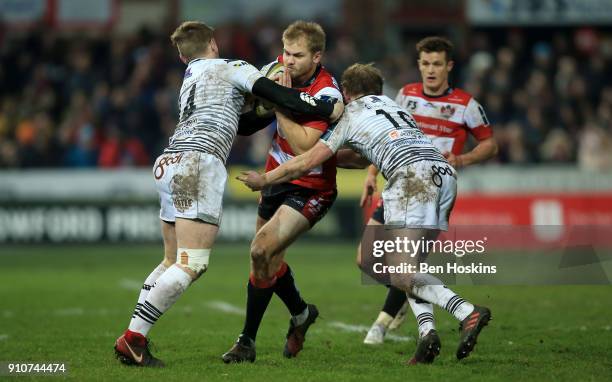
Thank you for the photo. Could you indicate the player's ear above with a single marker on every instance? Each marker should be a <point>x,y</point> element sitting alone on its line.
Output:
<point>213,46</point>
<point>450,65</point>
<point>181,57</point>
<point>347,97</point>
<point>316,57</point>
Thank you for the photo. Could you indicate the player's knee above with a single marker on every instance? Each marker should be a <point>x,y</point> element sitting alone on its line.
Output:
<point>259,256</point>
<point>195,260</point>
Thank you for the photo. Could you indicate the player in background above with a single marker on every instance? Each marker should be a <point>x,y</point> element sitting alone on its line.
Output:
<point>419,194</point>
<point>190,175</point>
<point>446,115</point>
<point>291,208</point>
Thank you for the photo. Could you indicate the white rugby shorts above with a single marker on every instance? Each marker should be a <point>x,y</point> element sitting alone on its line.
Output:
<point>420,195</point>
<point>190,185</point>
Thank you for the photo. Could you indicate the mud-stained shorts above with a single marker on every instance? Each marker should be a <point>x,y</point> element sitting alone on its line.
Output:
<point>190,185</point>
<point>420,195</point>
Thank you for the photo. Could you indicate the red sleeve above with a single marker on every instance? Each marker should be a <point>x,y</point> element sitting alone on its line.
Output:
<point>481,132</point>
<point>317,124</point>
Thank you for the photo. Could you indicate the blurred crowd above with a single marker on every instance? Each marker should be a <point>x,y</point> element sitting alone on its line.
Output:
<point>105,100</point>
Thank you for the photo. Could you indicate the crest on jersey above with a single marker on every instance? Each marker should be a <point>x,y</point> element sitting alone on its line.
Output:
<point>447,111</point>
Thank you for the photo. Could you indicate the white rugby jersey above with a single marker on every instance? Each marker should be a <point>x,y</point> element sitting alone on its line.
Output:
<point>210,102</point>
<point>383,132</point>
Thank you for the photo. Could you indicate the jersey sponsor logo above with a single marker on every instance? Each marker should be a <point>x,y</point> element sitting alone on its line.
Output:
<point>308,98</point>
<point>299,202</point>
<point>437,172</point>
<point>182,205</point>
<point>166,160</point>
<point>235,63</point>
<point>314,207</point>
<point>436,127</point>
<point>447,111</point>
<point>411,106</point>
<point>414,136</point>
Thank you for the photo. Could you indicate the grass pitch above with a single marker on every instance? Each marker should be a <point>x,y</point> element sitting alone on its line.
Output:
<point>69,303</point>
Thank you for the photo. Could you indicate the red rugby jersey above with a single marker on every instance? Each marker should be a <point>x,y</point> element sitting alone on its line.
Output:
<point>321,85</point>
<point>446,119</point>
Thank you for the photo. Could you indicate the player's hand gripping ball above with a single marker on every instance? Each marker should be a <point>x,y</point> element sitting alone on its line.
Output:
<point>263,108</point>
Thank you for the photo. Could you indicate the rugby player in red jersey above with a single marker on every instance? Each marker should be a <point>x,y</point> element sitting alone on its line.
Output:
<point>289,209</point>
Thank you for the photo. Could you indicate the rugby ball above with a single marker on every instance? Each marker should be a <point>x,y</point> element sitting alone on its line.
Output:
<point>263,108</point>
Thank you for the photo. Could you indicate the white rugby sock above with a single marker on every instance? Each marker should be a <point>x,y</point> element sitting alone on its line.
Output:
<point>423,311</point>
<point>384,319</point>
<point>148,284</point>
<point>168,288</point>
<point>430,288</point>
<point>300,318</point>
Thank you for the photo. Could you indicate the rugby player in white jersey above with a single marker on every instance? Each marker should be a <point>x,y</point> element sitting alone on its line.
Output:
<point>288,210</point>
<point>190,175</point>
<point>447,115</point>
<point>420,190</point>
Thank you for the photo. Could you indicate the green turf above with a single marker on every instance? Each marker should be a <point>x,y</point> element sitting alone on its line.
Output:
<point>70,303</point>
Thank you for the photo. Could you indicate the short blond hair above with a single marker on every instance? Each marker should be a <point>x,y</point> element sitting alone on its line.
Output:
<point>312,32</point>
<point>362,79</point>
<point>192,38</point>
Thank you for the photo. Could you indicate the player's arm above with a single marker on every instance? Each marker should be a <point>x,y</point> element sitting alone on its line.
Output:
<point>329,144</point>
<point>300,137</point>
<point>247,78</point>
<point>288,171</point>
<point>484,150</point>
<point>478,126</point>
<point>294,100</point>
<point>347,158</point>
<point>250,123</point>
<point>369,186</point>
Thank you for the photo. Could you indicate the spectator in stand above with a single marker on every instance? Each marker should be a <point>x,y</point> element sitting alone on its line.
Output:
<point>79,100</point>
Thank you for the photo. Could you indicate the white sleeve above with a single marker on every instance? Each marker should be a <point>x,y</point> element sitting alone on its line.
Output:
<point>328,93</point>
<point>336,135</point>
<point>474,115</point>
<point>241,74</point>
